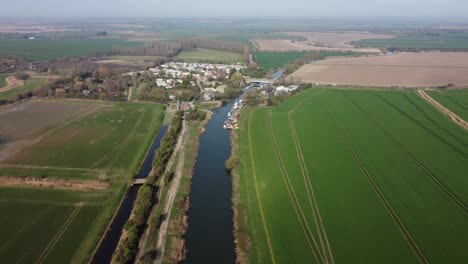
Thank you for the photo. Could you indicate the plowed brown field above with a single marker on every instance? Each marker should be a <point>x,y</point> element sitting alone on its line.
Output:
<point>425,69</point>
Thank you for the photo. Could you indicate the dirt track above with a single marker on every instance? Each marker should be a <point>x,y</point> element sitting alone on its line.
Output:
<point>12,83</point>
<point>171,193</point>
<point>457,119</point>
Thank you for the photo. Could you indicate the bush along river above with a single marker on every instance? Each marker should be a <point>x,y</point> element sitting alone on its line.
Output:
<point>210,237</point>
<point>111,238</point>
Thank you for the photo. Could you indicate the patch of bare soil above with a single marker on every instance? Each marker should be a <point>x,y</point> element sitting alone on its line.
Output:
<point>423,69</point>
<point>11,83</point>
<point>443,109</point>
<point>321,41</point>
<point>337,39</point>
<point>53,183</point>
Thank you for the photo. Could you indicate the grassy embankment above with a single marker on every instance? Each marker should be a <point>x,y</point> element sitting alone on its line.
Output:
<point>382,169</point>
<point>147,197</point>
<point>56,226</point>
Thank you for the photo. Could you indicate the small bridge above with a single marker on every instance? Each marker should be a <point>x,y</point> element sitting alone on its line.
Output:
<point>139,182</point>
<point>259,81</point>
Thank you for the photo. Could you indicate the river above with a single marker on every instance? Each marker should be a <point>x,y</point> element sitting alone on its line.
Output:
<point>111,238</point>
<point>210,237</point>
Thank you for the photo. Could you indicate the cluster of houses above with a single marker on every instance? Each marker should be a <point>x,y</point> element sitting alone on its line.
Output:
<point>172,74</point>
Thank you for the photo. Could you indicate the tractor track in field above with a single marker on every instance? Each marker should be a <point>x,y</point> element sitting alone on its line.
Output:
<point>58,235</point>
<point>460,104</point>
<point>426,171</point>
<point>27,143</point>
<point>293,197</point>
<point>425,128</point>
<point>149,136</point>
<point>23,230</point>
<point>123,145</point>
<point>454,117</point>
<point>310,189</point>
<point>258,192</point>
<point>404,230</point>
<point>423,113</point>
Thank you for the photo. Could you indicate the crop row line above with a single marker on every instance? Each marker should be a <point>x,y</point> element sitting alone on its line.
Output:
<point>23,230</point>
<point>426,171</point>
<point>310,190</point>
<point>455,101</point>
<point>257,191</point>
<point>434,134</point>
<point>59,234</point>
<point>423,113</point>
<point>295,201</point>
<point>406,233</point>
<point>124,144</point>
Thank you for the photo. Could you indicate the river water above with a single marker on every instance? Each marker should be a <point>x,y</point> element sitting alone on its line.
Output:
<point>210,237</point>
<point>111,238</point>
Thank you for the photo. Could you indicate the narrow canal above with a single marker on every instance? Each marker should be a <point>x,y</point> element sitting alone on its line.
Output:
<point>111,238</point>
<point>210,236</point>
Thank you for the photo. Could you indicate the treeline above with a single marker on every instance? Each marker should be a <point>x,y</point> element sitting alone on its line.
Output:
<point>155,48</point>
<point>216,44</point>
<point>171,49</point>
<point>147,196</point>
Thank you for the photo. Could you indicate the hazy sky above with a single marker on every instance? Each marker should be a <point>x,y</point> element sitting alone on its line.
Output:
<point>236,8</point>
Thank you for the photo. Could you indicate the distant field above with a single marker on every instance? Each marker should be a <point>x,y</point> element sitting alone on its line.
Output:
<point>455,100</point>
<point>130,60</point>
<point>31,84</point>
<point>51,49</point>
<point>274,59</point>
<point>207,55</point>
<point>353,176</point>
<point>424,69</point>
<point>442,41</point>
<point>64,142</point>
<point>317,41</point>
<point>337,39</point>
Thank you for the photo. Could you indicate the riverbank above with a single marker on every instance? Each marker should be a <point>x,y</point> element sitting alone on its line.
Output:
<point>178,222</point>
<point>209,237</point>
<point>122,203</point>
<point>241,235</point>
<point>163,240</point>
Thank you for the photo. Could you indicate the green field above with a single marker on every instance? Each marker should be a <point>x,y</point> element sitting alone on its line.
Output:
<point>2,79</point>
<point>455,100</point>
<point>446,41</point>
<point>99,142</point>
<point>207,55</point>
<point>30,85</point>
<point>353,176</point>
<point>51,49</point>
<point>269,60</point>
